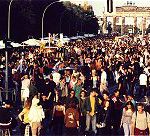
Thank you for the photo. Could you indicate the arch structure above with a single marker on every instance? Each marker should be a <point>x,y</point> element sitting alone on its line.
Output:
<point>127,11</point>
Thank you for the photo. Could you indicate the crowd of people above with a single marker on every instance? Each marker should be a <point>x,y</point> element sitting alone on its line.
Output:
<point>86,87</point>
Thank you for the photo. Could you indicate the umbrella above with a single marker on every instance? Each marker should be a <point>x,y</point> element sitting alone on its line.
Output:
<point>32,42</point>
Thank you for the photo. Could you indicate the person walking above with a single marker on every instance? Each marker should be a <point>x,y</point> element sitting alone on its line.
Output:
<point>92,103</point>
<point>23,116</point>
<point>127,113</point>
<point>36,115</point>
<point>58,118</point>
<point>140,125</point>
<point>104,119</point>
<point>82,109</point>
<point>25,88</point>
<point>103,81</point>
<point>72,120</point>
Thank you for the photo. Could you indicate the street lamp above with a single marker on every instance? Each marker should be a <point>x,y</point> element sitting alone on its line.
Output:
<point>9,10</point>
<point>6,50</point>
<point>44,15</point>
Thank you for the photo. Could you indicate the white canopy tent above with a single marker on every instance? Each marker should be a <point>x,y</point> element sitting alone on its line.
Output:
<point>2,45</point>
<point>32,42</point>
<point>16,45</point>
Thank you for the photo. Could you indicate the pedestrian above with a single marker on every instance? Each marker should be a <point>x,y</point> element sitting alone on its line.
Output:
<point>82,108</point>
<point>140,122</point>
<point>92,104</point>
<point>58,118</point>
<point>23,116</point>
<point>143,84</point>
<point>71,120</point>
<point>127,113</point>
<point>104,119</point>
<point>117,110</point>
<point>103,80</point>
<point>25,88</point>
<point>36,115</point>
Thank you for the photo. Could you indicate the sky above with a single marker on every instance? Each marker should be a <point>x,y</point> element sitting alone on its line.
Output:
<point>100,5</point>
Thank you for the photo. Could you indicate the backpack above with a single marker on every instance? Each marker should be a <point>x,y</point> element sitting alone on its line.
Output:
<point>136,117</point>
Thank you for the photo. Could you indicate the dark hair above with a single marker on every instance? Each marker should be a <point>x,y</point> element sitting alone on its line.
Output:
<point>104,102</point>
<point>105,92</point>
<point>59,102</point>
<point>140,104</point>
<point>51,76</point>
<point>83,91</point>
<point>94,90</point>
<point>116,91</point>
<point>132,106</point>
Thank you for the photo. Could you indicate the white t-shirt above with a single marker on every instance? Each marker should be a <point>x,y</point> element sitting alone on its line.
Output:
<point>141,120</point>
<point>56,77</point>
<point>25,83</point>
<point>143,79</point>
<point>104,77</point>
<point>25,88</point>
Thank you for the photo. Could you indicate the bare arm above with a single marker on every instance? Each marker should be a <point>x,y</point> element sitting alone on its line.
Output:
<point>132,128</point>
<point>64,110</point>
<point>133,123</point>
<point>53,112</point>
<point>20,116</point>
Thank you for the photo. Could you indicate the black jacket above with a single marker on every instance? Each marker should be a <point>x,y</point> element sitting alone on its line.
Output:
<point>88,104</point>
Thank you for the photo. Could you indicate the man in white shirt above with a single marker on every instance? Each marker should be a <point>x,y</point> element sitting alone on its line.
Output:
<point>56,77</point>
<point>143,84</point>
<point>140,123</point>
<point>25,88</point>
<point>103,81</point>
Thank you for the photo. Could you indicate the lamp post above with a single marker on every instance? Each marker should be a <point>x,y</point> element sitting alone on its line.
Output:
<point>6,50</point>
<point>44,15</point>
<point>9,11</point>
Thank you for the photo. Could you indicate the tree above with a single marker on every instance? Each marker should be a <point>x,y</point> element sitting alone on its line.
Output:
<point>85,20</point>
<point>26,18</point>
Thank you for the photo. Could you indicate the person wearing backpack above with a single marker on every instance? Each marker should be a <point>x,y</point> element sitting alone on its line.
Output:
<point>140,123</point>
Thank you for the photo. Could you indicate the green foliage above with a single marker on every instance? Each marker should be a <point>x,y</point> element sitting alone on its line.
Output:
<point>86,20</point>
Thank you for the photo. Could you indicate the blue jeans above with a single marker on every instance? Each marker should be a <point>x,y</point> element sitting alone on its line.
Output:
<point>90,119</point>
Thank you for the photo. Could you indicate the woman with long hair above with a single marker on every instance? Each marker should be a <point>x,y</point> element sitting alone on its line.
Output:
<point>82,108</point>
<point>23,116</point>
<point>104,119</point>
<point>36,115</point>
<point>58,118</point>
<point>127,113</point>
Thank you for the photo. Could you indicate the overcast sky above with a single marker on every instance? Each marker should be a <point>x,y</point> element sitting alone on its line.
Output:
<point>100,5</point>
